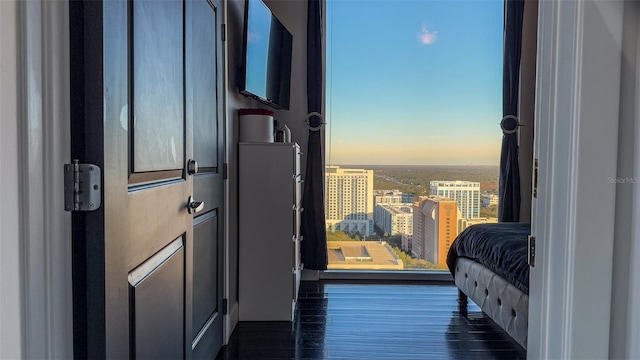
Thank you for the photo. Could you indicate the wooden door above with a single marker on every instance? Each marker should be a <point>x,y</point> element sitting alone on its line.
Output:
<point>145,90</point>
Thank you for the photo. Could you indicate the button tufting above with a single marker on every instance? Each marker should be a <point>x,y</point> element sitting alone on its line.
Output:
<point>476,284</point>
<point>513,312</point>
<point>499,302</point>
<point>466,275</point>
<point>486,292</point>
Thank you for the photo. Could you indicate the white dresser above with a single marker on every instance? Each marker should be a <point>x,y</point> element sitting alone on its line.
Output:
<point>269,230</point>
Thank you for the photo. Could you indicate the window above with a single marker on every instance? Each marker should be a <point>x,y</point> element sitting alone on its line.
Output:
<point>413,109</point>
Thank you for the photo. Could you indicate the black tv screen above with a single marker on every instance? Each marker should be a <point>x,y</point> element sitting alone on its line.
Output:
<point>267,56</point>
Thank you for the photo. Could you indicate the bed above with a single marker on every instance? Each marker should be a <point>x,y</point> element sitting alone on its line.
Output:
<point>489,265</point>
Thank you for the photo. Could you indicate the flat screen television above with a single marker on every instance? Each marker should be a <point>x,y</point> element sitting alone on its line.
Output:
<point>266,56</point>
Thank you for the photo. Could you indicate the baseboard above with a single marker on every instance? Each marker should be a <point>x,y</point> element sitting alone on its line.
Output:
<point>233,321</point>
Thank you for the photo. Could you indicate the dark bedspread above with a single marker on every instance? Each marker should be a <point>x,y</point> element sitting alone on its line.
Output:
<point>501,247</point>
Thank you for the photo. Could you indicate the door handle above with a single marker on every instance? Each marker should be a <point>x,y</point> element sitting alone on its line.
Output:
<point>192,167</point>
<point>194,207</point>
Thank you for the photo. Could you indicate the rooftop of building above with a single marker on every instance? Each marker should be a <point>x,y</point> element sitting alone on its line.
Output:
<point>455,183</point>
<point>400,208</point>
<point>362,255</point>
<point>481,220</point>
<point>394,192</point>
<point>431,198</point>
<point>334,169</point>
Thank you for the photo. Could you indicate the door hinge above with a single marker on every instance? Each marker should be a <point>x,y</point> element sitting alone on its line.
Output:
<point>531,250</point>
<point>225,172</point>
<point>223,30</point>
<point>81,187</point>
<point>225,306</point>
<point>535,178</point>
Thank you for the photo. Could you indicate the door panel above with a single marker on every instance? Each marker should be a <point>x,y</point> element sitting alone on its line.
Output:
<point>157,287</point>
<point>205,189</point>
<point>207,315</point>
<point>157,79</point>
<point>155,217</point>
<point>204,83</point>
<point>205,270</point>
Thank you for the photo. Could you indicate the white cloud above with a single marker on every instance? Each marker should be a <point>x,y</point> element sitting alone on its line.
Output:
<point>427,37</point>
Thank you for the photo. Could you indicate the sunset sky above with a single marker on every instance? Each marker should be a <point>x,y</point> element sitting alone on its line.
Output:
<point>415,82</point>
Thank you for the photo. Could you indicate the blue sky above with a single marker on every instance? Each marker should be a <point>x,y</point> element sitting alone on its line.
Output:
<point>414,81</point>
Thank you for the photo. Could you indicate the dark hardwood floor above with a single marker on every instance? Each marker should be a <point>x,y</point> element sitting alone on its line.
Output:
<point>374,321</point>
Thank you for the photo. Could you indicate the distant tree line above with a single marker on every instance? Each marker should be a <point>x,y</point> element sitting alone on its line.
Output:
<point>339,235</point>
<point>417,179</point>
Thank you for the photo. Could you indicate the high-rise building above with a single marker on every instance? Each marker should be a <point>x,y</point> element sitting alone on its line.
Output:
<point>349,200</point>
<point>394,219</point>
<point>465,193</point>
<point>393,211</point>
<point>418,230</point>
<point>385,197</point>
<point>435,226</point>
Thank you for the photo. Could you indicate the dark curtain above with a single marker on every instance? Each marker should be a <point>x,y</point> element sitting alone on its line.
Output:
<point>509,188</point>
<point>313,229</point>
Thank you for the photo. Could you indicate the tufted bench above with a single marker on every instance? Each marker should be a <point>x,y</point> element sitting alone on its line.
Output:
<point>501,301</point>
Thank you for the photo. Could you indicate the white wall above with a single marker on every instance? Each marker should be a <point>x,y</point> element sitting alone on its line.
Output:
<point>293,15</point>
<point>625,315</point>
<point>47,147</point>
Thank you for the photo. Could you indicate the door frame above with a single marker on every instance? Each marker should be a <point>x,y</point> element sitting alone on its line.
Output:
<point>40,272</point>
<point>577,107</point>
<point>227,322</point>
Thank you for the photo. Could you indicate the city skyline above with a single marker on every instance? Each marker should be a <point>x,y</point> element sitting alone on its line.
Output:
<point>423,89</point>
<point>418,229</point>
